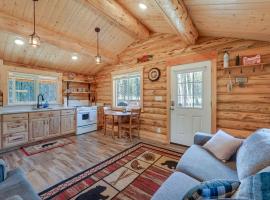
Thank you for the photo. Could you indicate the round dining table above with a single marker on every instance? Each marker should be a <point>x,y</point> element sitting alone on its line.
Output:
<point>118,115</point>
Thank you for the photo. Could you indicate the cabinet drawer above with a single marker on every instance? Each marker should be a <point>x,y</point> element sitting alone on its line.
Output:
<point>68,112</point>
<point>36,115</point>
<point>15,126</point>
<point>15,117</point>
<point>44,114</point>
<point>15,139</point>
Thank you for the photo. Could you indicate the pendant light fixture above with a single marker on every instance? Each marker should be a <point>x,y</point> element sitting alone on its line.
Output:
<point>34,39</point>
<point>98,57</point>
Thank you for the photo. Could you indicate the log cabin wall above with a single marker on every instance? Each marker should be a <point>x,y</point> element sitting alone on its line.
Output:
<point>239,112</point>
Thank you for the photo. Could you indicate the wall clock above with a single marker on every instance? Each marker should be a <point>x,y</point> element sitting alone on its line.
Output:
<point>154,74</point>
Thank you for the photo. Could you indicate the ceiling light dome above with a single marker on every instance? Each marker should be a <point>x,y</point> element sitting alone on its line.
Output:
<point>19,41</point>
<point>142,6</point>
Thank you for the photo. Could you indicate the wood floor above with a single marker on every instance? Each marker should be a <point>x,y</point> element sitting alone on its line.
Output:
<point>48,168</point>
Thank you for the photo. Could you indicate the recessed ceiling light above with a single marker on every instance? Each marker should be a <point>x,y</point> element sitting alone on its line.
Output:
<point>142,6</point>
<point>19,42</point>
<point>74,57</point>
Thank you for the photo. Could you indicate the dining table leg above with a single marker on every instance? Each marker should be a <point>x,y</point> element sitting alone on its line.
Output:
<point>119,126</point>
<point>113,127</point>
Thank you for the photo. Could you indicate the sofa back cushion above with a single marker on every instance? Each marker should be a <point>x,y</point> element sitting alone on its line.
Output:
<point>254,154</point>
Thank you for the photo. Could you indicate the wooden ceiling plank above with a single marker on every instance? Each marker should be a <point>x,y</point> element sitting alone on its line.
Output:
<point>119,16</point>
<point>177,14</point>
<point>24,28</point>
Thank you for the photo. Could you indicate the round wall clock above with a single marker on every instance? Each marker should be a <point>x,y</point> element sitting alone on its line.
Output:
<point>154,74</point>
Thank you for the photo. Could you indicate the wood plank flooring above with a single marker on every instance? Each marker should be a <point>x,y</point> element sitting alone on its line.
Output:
<point>48,168</point>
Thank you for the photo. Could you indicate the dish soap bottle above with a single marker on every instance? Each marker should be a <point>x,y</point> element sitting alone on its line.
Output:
<point>226,59</point>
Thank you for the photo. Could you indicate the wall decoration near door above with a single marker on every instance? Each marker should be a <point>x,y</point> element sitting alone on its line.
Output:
<point>45,146</point>
<point>131,174</point>
<point>154,74</point>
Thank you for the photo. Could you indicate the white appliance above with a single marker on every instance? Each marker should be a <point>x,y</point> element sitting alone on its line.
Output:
<point>86,119</point>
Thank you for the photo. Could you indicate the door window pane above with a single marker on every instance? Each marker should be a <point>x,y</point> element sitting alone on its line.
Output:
<point>190,89</point>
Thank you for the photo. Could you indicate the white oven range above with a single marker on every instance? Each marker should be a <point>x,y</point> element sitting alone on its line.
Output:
<point>86,119</point>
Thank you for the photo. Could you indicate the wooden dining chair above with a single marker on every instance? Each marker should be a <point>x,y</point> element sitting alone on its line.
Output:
<point>133,123</point>
<point>109,121</point>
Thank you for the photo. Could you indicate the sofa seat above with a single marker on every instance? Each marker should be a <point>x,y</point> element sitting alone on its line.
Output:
<point>175,187</point>
<point>16,183</point>
<point>203,166</point>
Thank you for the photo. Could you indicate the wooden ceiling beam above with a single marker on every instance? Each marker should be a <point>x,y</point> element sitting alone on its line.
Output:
<point>119,16</point>
<point>177,14</point>
<point>24,28</point>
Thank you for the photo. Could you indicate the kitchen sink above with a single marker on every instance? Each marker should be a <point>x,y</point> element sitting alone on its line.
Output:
<point>41,108</point>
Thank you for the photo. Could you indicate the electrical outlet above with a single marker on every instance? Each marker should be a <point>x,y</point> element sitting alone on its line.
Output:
<point>158,130</point>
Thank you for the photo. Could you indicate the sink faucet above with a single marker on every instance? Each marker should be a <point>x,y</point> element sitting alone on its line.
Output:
<point>39,104</point>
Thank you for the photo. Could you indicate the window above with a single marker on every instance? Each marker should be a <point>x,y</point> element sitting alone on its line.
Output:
<point>127,89</point>
<point>190,89</point>
<point>24,88</point>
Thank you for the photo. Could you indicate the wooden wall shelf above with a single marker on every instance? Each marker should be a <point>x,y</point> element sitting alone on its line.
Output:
<point>241,67</point>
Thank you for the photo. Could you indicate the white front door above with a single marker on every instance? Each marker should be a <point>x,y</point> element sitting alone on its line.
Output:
<point>190,101</point>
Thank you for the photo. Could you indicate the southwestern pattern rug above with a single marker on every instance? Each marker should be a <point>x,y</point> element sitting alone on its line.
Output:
<point>133,174</point>
<point>38,148</point>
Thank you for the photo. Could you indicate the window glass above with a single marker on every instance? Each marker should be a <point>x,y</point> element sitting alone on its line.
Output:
<point>190,89</point>
<point>24,88</point>
<point>127,90</point>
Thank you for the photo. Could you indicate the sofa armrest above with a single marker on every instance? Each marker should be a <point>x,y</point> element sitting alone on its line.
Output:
<point>3,170</point>
<point>201,138</point>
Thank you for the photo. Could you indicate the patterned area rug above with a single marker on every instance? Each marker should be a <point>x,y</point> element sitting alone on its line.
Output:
<point>135,173</point>
<point>38,148</point>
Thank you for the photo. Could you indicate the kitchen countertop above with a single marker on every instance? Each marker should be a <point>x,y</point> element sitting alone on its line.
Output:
<point>27,109</point>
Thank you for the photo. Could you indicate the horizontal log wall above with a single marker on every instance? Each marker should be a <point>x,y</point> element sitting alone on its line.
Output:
<point>239,112</point>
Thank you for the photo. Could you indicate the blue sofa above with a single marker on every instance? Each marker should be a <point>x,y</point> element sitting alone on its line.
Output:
<point>198,165</point>
<point>14,185</point>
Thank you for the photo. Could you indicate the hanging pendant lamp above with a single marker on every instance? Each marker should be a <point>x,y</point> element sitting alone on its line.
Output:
<point>98,57</point>
<point>34,39</point>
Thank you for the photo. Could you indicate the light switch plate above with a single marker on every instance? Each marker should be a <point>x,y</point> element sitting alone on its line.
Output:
<point>158,98</point>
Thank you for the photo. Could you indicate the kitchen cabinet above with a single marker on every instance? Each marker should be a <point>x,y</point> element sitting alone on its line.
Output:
<point>44,125</point>
<point>20,128</point>
<point>54,126</point>
<point>68,121</point>
<point>14,129</point>
<point>39,128</point>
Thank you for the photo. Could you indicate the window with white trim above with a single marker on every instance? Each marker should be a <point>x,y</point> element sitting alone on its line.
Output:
<point>23,88</point>
<point>127,90</point>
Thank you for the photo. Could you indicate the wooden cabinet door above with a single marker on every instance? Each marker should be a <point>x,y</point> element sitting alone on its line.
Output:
<point>54,126</point>
<point>68,124</point>
<point>39,128</point>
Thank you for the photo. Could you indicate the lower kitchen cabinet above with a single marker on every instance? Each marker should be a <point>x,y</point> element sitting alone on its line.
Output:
<point>18,129</point>
<point>54,126</point>
<point>38,129</point>
<point>14,139</point>
<point>68,124</point>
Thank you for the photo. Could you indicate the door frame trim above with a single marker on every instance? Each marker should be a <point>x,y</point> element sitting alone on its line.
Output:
<point>189,59</point>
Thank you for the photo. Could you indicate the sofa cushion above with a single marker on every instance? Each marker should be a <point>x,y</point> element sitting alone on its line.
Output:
<point>175,187</point>
<point>213,189</point>
<point>17,184</point>
<point>254,155</point>
<point>3,170</point>
<point>254,187</point>
<point>200,164</point>
<point>223,145</point>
